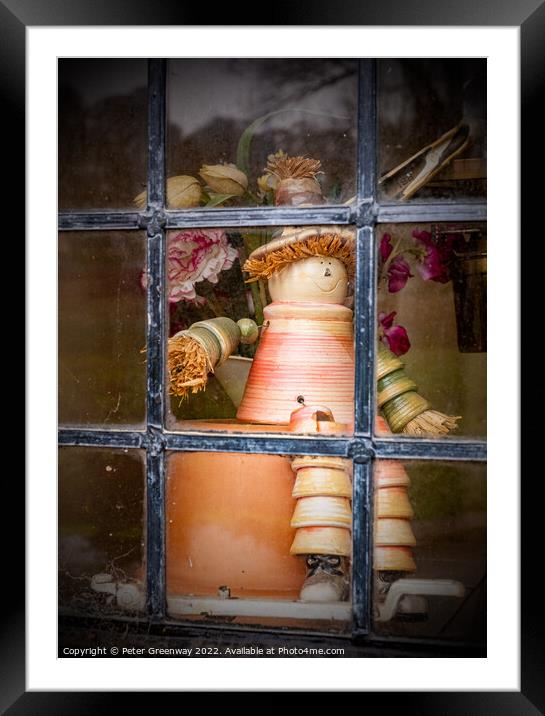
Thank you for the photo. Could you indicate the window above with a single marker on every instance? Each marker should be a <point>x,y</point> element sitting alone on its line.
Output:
<point>123,540</point>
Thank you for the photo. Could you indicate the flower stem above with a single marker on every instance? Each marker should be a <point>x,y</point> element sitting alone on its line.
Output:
<point>258,306</point>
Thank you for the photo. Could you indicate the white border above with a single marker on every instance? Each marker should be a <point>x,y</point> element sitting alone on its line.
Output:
<point>500,670</point>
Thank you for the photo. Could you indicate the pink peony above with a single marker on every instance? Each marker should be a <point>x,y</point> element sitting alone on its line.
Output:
<point>193,256</point>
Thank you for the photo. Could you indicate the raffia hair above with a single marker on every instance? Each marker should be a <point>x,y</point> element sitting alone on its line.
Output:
<point>325,245</point>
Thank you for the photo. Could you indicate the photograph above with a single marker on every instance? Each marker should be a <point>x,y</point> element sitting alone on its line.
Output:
<point>262,351</point>
<point>233,321</point>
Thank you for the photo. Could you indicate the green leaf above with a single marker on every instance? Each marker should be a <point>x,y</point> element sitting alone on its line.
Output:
<point>245,141</point>
<point>217,199</point>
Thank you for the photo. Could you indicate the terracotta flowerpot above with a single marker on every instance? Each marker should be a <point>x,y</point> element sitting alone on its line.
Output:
<point>322,481</point>
<point>228,524</point>
<point>390,473</point>
<point>322,540</point>
<point>307,349</point>
<point>322,512</point>
<point>396,559</point>
<point>393,502</point>
<point>394,532</point>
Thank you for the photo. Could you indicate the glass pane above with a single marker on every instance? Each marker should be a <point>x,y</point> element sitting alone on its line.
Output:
<point>102,132</point>
<point>101,530</point>
<point>432,316</point>
<point>300,107</point>
<point>102,328</point>
<point>259,538</point>
<point>269,346</point>
<point>430,550</point>
<point>432,129</point>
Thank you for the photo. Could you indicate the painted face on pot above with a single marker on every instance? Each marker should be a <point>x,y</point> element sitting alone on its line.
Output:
<point>323,279</point>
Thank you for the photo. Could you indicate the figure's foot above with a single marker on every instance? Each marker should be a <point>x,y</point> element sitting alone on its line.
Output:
<point>326,579</point>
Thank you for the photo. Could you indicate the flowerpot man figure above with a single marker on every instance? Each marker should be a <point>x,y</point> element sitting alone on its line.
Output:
<point>302,374</point>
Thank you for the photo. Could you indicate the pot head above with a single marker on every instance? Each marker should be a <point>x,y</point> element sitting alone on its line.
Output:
<point>322,279</point>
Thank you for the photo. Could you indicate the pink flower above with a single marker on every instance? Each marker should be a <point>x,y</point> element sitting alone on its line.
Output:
<point>399,272</point>
<point>386,247</point>
<point>395,337</point>
<point>433,260</point>
<point>196,301</point>
<point>194,256</point>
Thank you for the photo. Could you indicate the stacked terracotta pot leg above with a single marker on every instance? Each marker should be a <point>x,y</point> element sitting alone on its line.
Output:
<point>393,535</point>
<point>323,514</point>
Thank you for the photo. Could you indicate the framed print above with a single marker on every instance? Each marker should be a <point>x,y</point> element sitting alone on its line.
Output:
<point>271,321</point>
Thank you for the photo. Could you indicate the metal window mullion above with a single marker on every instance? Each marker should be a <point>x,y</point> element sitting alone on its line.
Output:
<point>403,448</point>
<point>259,444</point>
<point>260,216</point>
<point>156,133</point>
<point>364,331</point>
<point>99,221</point>
<point>364,349</point>
<point>362,548</point>
<point>367,139</point>
<point>102,438</point>
<point>280,216</point>
<point>395,447</point>
<point>427,212</point>
<point>365,289</point>
<point>155,394</point>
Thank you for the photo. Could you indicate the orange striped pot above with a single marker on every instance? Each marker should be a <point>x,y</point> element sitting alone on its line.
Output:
<point>390,473</point>
<point>325,461</point>
<point>322,481</point>
<point>397,559</point>
<point>306,349</point>
<point>322,512</point>
<point>394,532</point>
<point>393,502</point>
<point>322,540</point>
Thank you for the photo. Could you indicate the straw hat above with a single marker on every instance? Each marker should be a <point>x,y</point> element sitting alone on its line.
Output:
<point>299,242</point>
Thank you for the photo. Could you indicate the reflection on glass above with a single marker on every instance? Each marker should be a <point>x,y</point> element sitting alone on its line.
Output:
<point>102,132</point>
<point>228,117</point>
<point>102,325</point>
<point>432,129</point>
<point>260,325</point>
<point>101,530</point>
<point>259,537</point>
<point>429,557</point>
<point>432,318</point>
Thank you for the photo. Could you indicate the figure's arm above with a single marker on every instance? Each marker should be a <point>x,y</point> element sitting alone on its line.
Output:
<point>404,409</point>
<point>194,353</point>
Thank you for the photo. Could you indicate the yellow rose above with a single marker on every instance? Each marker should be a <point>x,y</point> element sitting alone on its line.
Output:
<point>182,193</point>
<point>224,179</point>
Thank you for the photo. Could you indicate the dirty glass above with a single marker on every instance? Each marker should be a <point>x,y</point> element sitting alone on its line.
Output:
<point>227,118</point>
<point>432,129</point>
<point>102,328</point>
<point>276,337</point>
<point>432,317</point>
<point>101,530</point>
<point>429,555</point>
<point>239,530</point>
<point>102,137</point>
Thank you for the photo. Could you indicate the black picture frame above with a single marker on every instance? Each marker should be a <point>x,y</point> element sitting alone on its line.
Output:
<point>530,16</point>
